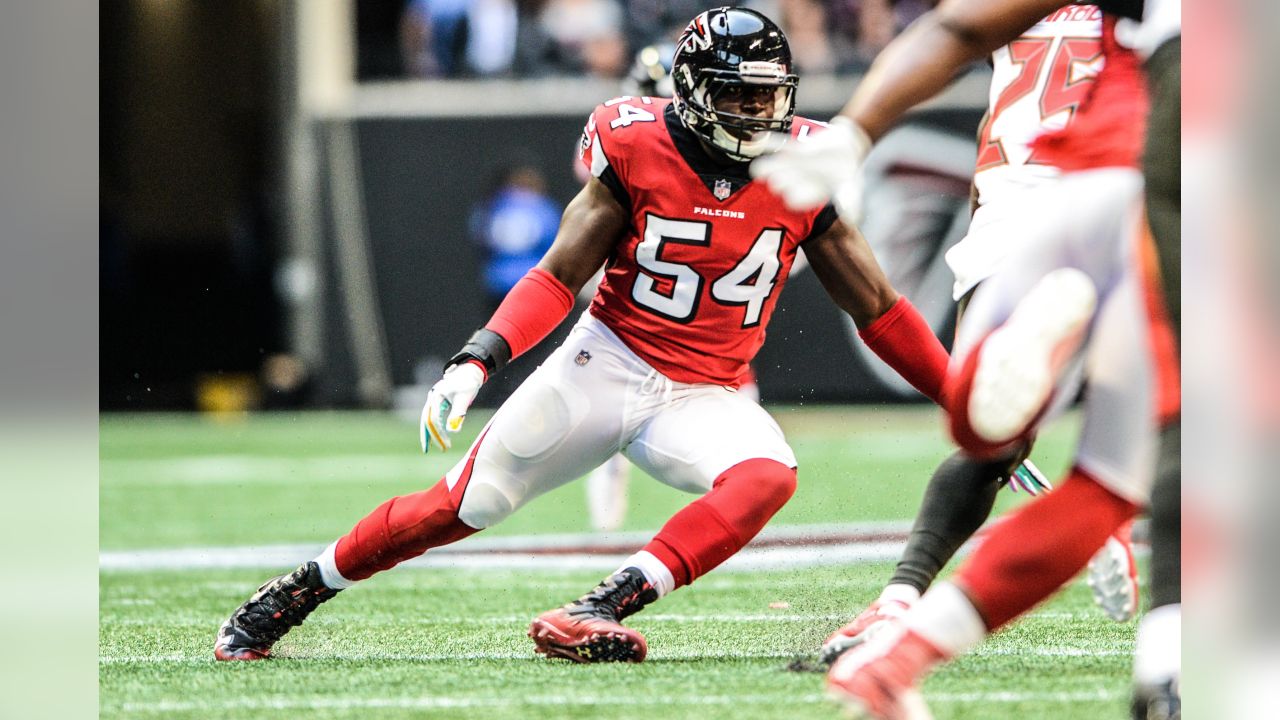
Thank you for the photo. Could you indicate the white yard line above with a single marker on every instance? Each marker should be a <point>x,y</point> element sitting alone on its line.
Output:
<point>778,548</point>
<point>252,469</point>
<point>285,556</point>
<point>611,700</point>
<point>207,658</point>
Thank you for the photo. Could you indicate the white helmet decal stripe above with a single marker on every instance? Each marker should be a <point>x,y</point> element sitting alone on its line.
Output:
<point>697,36</point>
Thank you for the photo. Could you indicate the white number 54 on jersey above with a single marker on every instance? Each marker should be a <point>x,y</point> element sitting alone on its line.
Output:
<point>749,283</point>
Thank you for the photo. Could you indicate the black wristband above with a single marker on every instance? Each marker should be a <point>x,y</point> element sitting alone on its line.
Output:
<point>487,347</point>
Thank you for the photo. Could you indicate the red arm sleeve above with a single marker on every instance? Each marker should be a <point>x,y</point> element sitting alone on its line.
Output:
<point>903,339</point>
<point>533,308</point>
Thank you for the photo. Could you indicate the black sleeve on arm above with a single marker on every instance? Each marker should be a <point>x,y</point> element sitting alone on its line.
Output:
<point>611,181</point>
<point>826,218</point>
<point>1131,9</point>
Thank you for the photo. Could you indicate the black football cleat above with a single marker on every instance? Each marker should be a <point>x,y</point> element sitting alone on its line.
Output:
<point>588,629</point>
<point>280,604</point>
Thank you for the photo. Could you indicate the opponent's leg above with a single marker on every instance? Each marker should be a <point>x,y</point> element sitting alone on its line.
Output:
<point>1042,544</point>
<point>1002,388</point>
<point>1040,547</point>
<point>1016,340</point>
<point>957,501</point>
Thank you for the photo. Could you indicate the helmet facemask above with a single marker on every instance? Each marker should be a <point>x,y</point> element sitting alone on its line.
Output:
<point>736,134</point>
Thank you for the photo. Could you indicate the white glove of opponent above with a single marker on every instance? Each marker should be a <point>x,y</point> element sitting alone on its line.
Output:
<point>447,405</point>
<point>823,167</point>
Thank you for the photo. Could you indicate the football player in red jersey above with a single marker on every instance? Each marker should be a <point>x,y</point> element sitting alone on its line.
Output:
<point>1075,297</point>
<point>696,254</point>
<point>1037,83</point>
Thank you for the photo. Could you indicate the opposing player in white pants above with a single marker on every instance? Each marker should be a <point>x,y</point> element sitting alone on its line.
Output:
<point>1064,291</point>
<point>1038,80</point>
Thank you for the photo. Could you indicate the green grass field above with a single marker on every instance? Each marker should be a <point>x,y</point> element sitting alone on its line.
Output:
<point>450,643</point>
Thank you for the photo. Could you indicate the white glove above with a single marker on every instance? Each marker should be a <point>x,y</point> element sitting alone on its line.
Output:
<point>823,167</point>
<point>447,405</point>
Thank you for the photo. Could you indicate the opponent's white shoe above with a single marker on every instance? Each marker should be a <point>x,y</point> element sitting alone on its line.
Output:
<point>880,678</point>
<point>1020,363</point>
<point>875,618</point>
<point>1113,576</point>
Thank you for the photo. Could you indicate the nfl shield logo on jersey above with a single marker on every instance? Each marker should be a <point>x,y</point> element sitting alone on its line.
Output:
<point>722,189</point>
<point>583,358</point>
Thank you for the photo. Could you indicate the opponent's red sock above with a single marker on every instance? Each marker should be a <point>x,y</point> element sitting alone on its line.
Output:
<point>1041,546</point>
<point>720,523</point>
<point>399,529</point>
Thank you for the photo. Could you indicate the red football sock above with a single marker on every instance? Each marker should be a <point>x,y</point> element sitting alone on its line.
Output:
<point>717,525</point>
<point>399,529</point>
<point>1041,546</point>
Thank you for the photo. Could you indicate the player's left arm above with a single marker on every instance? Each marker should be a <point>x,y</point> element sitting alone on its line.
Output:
<point>887,322</point>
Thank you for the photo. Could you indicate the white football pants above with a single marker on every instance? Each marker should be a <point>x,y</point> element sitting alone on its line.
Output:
<point>1090,221</point>
<point>595,397</point>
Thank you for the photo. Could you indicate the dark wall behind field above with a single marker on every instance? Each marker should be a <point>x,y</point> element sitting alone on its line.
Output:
<point>191,208</point>
<point>187,213</point>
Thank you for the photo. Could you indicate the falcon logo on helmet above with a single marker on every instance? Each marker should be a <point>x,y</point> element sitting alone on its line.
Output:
<point>733,53</point>
<point>696,36</point>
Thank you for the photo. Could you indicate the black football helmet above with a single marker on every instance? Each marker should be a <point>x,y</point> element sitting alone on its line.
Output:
<point>732,51</point>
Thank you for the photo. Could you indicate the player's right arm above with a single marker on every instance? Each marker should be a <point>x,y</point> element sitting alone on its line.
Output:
<point>589,230</point>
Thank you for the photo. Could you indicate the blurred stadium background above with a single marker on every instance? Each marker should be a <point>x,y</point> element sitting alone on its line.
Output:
<point>290,190</point>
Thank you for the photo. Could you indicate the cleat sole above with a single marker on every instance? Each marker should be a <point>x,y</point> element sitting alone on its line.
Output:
<point>1020,361</point>
<point>834,648</point>
<point>606,646</point>
<point>242,655</point>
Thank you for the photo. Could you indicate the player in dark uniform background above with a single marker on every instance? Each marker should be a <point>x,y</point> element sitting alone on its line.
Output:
<point>695,254</point>
<point>1157,666</point>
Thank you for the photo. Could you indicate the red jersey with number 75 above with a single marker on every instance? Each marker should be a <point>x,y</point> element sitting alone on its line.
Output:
<point>1037,84</point>
<point>694,280</point>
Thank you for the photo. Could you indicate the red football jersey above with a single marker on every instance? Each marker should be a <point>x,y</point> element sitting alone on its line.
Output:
<point>695,278</point>
<point>1110,124</point>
